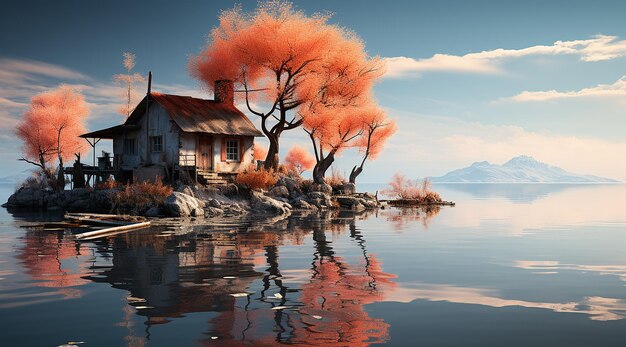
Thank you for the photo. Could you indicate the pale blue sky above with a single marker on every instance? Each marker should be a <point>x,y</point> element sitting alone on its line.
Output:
<point>452,110</point>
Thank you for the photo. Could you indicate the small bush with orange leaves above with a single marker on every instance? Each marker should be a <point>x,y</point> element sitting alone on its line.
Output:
<point>256,179</point>
<point>108,184</point>
<point>139,197</point>
<point>407,189</point>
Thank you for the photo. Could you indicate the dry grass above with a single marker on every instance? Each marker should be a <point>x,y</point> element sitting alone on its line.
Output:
<point>139,197</point>
<point>335,180</point>
<point>406,189</point>
<point>108,184</point>
<point>256,179</point>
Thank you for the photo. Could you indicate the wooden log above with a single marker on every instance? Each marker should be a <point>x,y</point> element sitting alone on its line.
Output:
<point>96,221</point>
<point>103,232</point>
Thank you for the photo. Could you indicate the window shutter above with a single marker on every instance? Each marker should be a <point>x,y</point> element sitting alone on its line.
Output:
<point>223,149</point>
<point>241,150</point>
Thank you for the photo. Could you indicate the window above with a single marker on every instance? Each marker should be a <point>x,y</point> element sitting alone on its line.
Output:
<point>156,143</point>
<point>129,147</point>
<point>232,150</point>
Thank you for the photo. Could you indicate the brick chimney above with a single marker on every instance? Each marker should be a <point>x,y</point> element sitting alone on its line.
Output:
<point>224,92</point>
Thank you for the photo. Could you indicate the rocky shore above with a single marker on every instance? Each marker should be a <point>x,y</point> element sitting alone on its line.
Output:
<point>287,195</point>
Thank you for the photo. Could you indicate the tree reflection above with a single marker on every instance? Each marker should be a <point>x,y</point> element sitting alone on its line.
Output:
<point>54,262</point>
<point>170,276</point>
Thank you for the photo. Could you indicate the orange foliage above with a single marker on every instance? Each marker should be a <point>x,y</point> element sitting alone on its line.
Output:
<point>377,130</point>
<point>299,160</point>
<point>406,189</point>
<point>108,184</point>
<point>291,61</point>
<point>51,125</point>
<point>256,179</point>
<point>139,197</point>
<point>260,151</point>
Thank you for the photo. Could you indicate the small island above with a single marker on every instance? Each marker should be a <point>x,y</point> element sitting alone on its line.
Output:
<point>182,156</point>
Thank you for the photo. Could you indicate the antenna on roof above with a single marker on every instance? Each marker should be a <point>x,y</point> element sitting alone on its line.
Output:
<point>149,82</point>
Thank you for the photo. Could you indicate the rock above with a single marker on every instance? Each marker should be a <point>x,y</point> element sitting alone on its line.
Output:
<point>230,189</point>
<point>348,201</point>
<point>214,203</point>
<point>279,192</point>
<point>320,199</point>
<point>348,188</point>
<point>323,188</point>
<point>213,211</point>
<point>152,212</point>
<point>292,185</point>
<point>187,190</point>
<point>302,204</point>
<point>260,203</point>
<point>182,205</point>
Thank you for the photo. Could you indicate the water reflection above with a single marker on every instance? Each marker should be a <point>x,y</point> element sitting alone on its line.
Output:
<point>402,218</point>
<point>234,271</point>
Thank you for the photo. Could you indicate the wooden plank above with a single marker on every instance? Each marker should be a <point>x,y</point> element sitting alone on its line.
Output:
<point>103,232</point>
<point>98,221</point>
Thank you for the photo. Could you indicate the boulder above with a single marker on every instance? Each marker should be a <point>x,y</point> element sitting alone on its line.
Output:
<point>302,204</point>
<point>182,205</point>
<point>320,199</point>
<point>279,192</point>
<point>260,203</point>
<point>292,184</point>
<point>321,187</point>
<point>213,211</point>
<point>152,212</point>
<point>230,189</point>
<point>349,202</point>
<point>348,188</point>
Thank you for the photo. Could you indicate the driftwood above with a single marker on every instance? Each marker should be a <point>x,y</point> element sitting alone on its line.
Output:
<point>108,219</point>
<point>113,230</point>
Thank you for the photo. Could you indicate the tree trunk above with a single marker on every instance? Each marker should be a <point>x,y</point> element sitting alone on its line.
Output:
<point>271,161</point>
<point>356,171</point>
<point>61,176</point>
<point>319,171</point>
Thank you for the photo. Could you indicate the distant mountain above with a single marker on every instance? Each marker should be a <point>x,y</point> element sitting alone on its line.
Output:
<point>522,169</point>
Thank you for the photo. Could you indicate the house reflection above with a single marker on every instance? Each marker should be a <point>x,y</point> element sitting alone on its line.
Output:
<point>169,277</point>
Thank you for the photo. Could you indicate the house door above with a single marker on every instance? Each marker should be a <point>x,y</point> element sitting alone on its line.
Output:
<point>204,154</point>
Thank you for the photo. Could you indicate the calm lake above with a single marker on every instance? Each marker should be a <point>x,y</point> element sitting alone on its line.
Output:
<point>510,265</point>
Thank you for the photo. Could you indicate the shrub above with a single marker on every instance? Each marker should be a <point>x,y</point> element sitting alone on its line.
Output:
<point>108,184</point>
<point>336,180</point>
<point>406,189</point>
<point>139,197</point>
<point>256,179</point>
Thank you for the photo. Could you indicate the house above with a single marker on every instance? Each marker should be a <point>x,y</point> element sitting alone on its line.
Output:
<point>173,135</point>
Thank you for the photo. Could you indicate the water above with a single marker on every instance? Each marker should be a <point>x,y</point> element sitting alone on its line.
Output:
<point>514,265</point>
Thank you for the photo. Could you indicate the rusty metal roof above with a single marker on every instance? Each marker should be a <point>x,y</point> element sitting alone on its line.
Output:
<point>199,115</point>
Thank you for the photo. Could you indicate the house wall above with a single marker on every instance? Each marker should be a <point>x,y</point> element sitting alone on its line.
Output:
<point>160,124</point>
<point>187,145</point>
<point>224,166</point>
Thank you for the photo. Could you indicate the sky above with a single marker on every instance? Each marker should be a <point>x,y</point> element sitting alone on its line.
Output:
<point>466,81</point>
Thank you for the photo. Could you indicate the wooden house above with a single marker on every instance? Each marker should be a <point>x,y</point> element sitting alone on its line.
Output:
<point>172,135</point>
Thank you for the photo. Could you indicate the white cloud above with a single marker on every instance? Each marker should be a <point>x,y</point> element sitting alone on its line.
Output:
<point>598,48</point>
<point>617,89</point>
<point>596,307</point>
<point>20,70</point>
